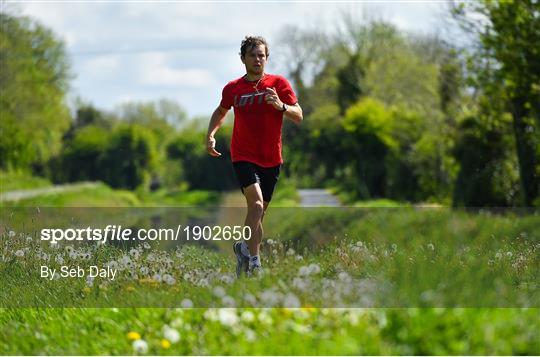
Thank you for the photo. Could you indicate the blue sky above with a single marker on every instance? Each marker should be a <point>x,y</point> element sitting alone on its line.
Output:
<point>187,51</point>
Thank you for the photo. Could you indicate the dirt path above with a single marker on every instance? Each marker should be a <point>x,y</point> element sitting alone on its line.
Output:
<point>317,198</point>
<point>23,194</point>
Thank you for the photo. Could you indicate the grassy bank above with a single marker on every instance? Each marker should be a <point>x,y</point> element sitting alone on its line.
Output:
<point>10,181</point>
<point>269,331</point>
<point>378,258</point>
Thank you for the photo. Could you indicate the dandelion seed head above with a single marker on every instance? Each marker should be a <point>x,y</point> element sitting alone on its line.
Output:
<point>228,301</point>
<point>219,291</point>
<point>247,316</point>
<point>171,334</point>
<point>186,303</point>
<point>228,317</point>
<point>140,346</point>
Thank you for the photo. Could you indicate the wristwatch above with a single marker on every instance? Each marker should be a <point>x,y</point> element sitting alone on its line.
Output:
<point>284,108</point>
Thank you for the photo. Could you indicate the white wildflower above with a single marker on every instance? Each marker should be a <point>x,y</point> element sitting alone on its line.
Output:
<point>314,268</point>
<point>186,303</point>
<point>28,238</point>
<point>157,277</point>
<point>140,346</point>
<point>171,334</point>
<point>264,317</point>
<point>509,254</point>
<point>303,271</point>
<point>112,264</point>
<point>211,314</point>
<point>228,317</point>
<point>59,259</point>
<point>19,253</point>
<point>226,279</point>
<point>228,301</point>
<point>291,301</point>
<point>203,282</point>
<point>290,252</point>
<point>144,270</point>
<point>134,253</point>
<point>90,281</point>
<point>125,260</point>
<point>219,291</point>
<point>11,234</point>
<point>431,247</point>
<point>250,335</point>
<point>299,257</point>
<point>247,316</point>
<point>168,279</point>
<point>250,299</point>
<point>300,283</point>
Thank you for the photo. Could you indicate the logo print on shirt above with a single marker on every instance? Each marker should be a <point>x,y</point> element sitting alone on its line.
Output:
<point>249,99</point>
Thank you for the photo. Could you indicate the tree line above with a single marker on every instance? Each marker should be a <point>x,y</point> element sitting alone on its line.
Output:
<point>387,114</point>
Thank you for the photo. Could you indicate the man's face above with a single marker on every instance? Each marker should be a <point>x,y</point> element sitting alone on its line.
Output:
<point>255,59</point>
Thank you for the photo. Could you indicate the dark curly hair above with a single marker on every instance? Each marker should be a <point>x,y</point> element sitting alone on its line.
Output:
<point>252,41</point>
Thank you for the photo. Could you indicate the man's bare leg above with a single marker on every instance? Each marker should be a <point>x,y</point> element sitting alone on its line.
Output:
<point>255,213</point>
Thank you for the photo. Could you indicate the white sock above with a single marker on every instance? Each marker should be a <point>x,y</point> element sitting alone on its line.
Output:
<point>244,249</point>
<point>254,261</point>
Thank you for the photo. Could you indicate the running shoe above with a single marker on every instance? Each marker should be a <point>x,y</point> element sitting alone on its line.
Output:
<point>255,271</point>
<point>242,262</point>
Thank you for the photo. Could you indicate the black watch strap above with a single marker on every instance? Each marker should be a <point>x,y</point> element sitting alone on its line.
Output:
<point>284,108</point>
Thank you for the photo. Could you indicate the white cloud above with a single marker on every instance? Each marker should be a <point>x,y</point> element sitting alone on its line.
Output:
<point>166,76</point>
<point>156,70</point>
<point>102,66</point>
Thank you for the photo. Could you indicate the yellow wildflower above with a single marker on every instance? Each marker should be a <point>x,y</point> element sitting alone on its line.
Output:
<point>132,335</point>
<point>165,343</point>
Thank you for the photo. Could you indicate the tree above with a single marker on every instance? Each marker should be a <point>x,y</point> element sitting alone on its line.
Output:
<point>82,155</point>
<point>33,82</point>
<point>509,33</point>
<point>129,157</point>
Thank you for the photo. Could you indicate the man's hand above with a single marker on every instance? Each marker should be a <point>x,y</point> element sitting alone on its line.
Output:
<point>211,146</point>
<point>272,98</point>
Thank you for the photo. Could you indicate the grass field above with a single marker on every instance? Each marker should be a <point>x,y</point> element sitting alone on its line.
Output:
<point>10,181</point>
<point>379,258</point>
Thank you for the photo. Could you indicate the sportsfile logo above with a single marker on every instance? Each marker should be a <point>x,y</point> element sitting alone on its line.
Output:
<point>117,233</point>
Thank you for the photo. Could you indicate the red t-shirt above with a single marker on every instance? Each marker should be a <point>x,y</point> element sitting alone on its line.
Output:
<point>257,125</point>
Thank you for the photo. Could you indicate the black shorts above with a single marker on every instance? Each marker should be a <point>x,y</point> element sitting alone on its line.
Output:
<point>249,173</point>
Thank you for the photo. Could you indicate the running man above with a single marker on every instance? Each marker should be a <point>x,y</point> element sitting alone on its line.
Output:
<point>260,102</point>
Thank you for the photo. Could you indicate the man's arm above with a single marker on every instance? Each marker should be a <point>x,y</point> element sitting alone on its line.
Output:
<point>293,112</point>
<point>215,123</point>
